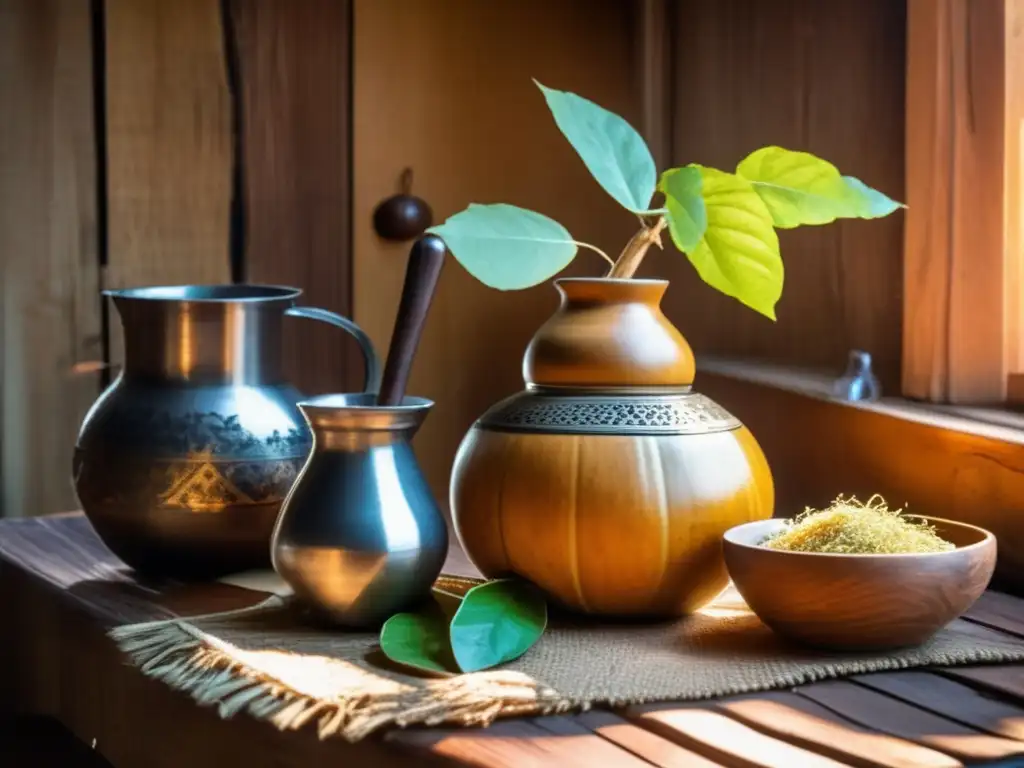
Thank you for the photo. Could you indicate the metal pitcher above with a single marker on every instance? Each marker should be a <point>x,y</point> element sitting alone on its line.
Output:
<point>360,536</point>
<point>182,463</point>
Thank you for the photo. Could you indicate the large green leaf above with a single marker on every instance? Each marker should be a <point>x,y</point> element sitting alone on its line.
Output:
<point>507,247</point>
<point>739,253</point>
<point>420,640</point>
<point>800,188</point>
<point>497,622</point>
<point>686,212</point>
<point>614,153</point>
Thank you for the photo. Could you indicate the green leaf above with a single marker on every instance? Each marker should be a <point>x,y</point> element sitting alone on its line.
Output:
<point>507,247</point>
<point>420,640</point>
<point>614,153</point>
<point>686,212</point>
<point>799,188</point>
<point>739,253</point>
<point>417,640</point>
<point>497,622</point>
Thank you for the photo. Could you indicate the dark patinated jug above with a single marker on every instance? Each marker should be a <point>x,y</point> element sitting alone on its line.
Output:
<point>182,463</point>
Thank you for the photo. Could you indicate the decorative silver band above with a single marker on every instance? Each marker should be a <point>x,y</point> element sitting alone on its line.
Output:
<point>677,414</point>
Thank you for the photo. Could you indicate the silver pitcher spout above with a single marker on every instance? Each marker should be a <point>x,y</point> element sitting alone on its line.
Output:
<point>360,536</point>
<point>182,463</point>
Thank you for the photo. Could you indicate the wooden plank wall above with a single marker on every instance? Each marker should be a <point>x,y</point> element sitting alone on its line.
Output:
<point>824,77</point>
<point>168,144</point>
<point>49,269</point>
<point>144,185</point>
<point>963,248</point>
<point>294,86</point>
<point>223,151</point>
<point>445,88</point>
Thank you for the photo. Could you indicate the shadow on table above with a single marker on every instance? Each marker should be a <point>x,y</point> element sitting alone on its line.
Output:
<point>128,602</point>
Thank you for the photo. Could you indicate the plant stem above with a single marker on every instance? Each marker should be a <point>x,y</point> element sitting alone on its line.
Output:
<point>596,250</point>
<point>633,254</point>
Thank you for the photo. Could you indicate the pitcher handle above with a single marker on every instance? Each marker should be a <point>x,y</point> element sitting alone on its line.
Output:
<point>370,358</point>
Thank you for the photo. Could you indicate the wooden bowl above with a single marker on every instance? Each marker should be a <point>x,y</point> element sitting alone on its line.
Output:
<point>859,602</point>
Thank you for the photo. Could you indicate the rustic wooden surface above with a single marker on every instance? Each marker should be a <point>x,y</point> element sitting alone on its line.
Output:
<point>49,268</point>
<point>822,77</point>
<point>294,85</point>
<point>962,247</point>
<point>444,87</point>
<point>62,589</point>
<point>168,146</point>
<point>42,742</point>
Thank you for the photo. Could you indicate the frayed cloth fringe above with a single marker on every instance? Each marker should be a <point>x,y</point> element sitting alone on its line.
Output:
<point>183,657</point>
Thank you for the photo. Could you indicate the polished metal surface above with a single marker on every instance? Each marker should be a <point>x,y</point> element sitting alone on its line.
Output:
<point>360,536</point>
<point>183,462</point>
<point>583,413</point>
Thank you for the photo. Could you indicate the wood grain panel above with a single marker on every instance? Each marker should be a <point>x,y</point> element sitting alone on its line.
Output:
<point>518,743</point>
<point>654,64</point>
<point>169,145</point>
<point>445,88</point>
<point>998,611</point>
<point>955,245</point>
<point>722,739</point>
<point>888,715</point>
<point>1007,681</point>
<point>651,747</point>
<point>295,83</point>
<point>822,77</point>
<point>49,267</point>
<point>798,721</point>
<point>1013,191</point>
<point>949,699</point>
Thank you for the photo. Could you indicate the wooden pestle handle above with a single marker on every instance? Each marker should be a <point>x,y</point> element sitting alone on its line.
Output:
<point>425,261</point>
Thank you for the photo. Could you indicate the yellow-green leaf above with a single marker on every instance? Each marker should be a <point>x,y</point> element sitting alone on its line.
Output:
<point>684,204</point>
<point>800,188</point>
<point>739,252</point>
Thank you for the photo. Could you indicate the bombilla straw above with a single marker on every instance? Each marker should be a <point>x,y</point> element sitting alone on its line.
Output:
<point>425,261</point>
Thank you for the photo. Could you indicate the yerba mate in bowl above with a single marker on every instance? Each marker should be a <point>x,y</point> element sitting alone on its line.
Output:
<point>848,527</point>
<point>864,600</point>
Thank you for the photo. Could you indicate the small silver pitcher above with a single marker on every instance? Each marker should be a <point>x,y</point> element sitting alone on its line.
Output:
<point>360,536</point>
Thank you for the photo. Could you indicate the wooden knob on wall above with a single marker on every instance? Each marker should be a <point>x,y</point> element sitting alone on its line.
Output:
<point>403,216</point>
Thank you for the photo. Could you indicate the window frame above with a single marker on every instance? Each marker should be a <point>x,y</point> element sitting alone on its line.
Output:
<point>963,309</point>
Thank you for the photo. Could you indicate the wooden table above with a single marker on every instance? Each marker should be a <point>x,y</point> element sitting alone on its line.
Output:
<point>61,590</point>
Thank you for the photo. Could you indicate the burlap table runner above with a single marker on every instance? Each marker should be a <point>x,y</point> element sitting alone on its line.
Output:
<point>268,662</point>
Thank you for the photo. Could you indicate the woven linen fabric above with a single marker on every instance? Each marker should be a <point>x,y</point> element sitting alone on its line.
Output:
<point>270,663</point>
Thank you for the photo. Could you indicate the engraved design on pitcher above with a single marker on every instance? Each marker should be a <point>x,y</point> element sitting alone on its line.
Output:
<point>221,464</point>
